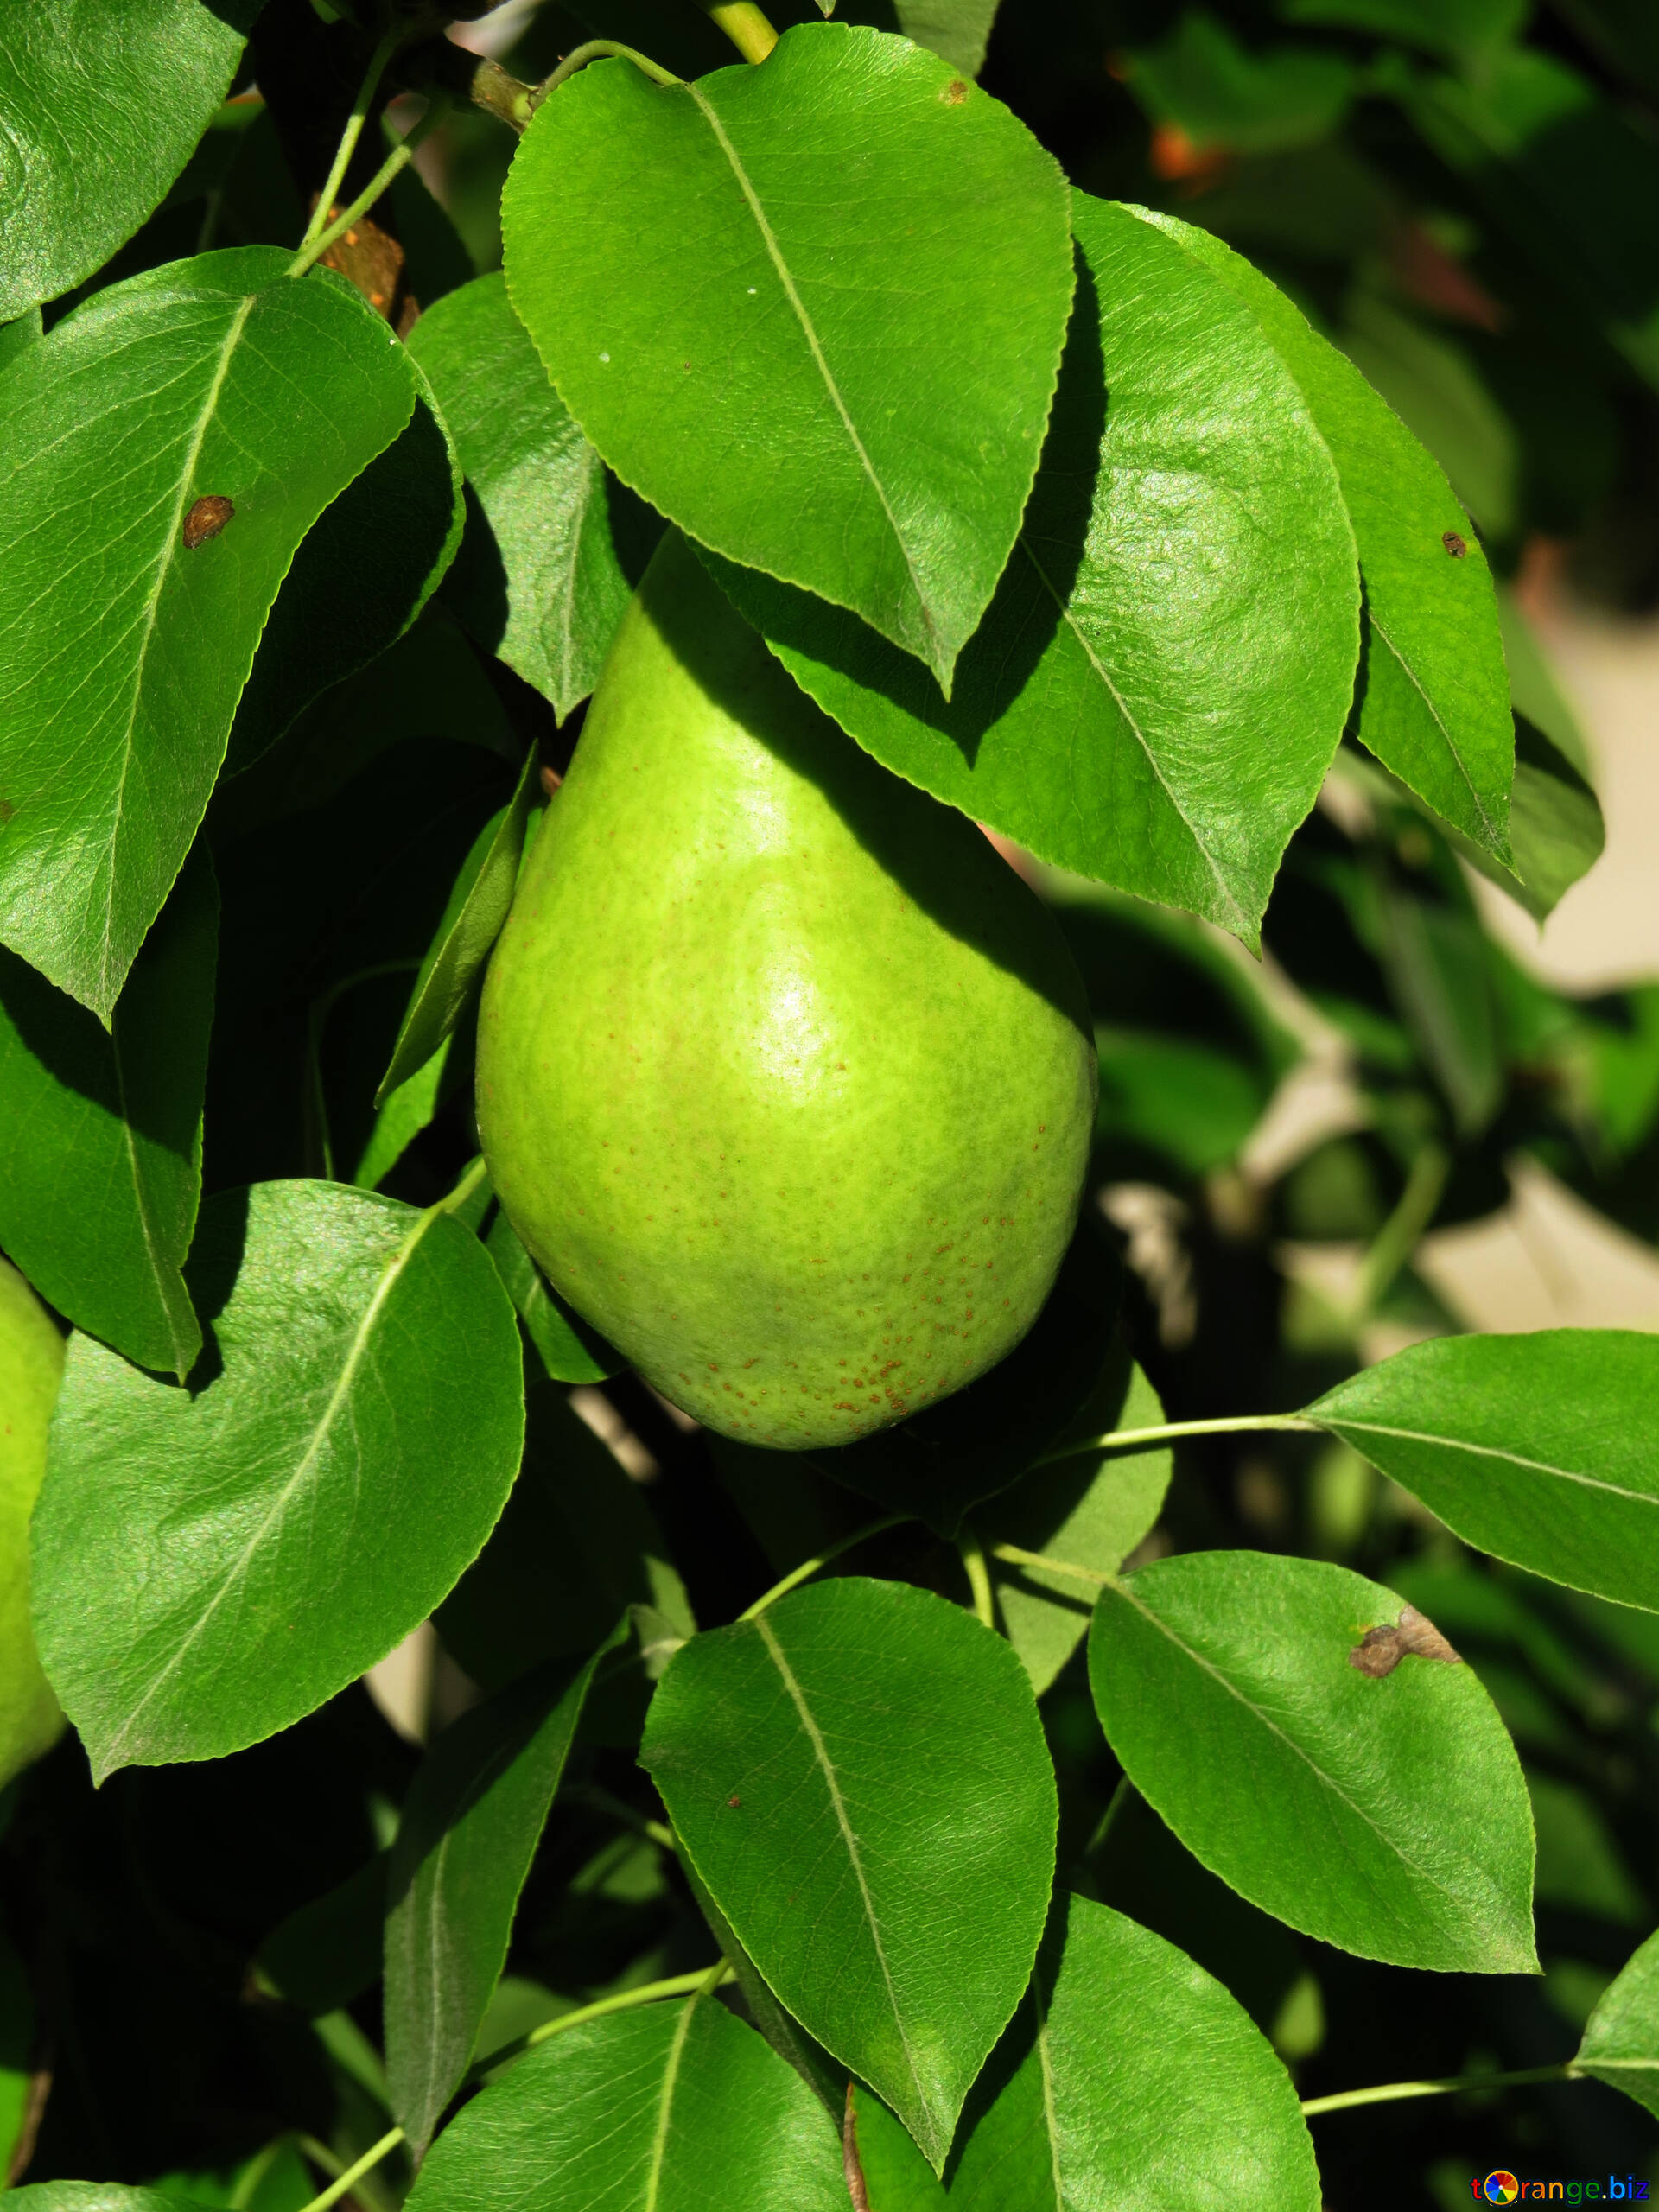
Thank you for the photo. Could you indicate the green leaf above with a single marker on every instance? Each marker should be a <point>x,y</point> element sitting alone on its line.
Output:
<point>1450,27</point>
<point>211,1564</point>
<point>99,123</point>
<point>406,1111</point>
<point>801,382</point>
<point>1433,952</point>
<point>1621,2043</point>
<point>470,1825</point>
<point>552,550</point>
<point>1435,704</point>
<point>1091,1510</point>
<point>1555,824</point>
<point>668,2108</point>
<point>1387,1816</point>
<point>576,1547</point>
<point>1222,93</point>
<point>471,922</point>
<point>957,30</point>
<point>1128,2078</point>
<point>1536,1448</point>
<point>567,1350</point>
<point>100,1135</point>
<point>218,376</point>
<point>358,580</point>
<point>95,2197</point>
<point>861,1779</point>
<point>1166,669</point>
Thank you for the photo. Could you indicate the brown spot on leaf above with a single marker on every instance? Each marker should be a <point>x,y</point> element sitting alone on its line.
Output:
<point>1381,1649</point>
<point>954,93</point>
<point>206,519</point>
<point>1456,546</point>
<point>7,809</point>
<point>733,1802</point>
<point>550,781</point>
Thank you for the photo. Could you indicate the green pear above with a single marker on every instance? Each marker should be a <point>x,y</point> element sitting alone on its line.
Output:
<point>785,1077</point>
<point>31,1366</point>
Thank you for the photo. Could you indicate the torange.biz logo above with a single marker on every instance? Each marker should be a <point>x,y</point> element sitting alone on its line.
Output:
<point>1505,2188</point>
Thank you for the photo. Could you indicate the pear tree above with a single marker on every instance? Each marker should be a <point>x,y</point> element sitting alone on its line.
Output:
<point>700,713</point>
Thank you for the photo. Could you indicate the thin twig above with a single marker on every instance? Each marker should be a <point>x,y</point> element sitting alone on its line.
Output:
<point>1389,2091</point>
<point>399,159</point>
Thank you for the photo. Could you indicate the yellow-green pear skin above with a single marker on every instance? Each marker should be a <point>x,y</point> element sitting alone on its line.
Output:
<point>785,1077</point>
<point>31,1366</point>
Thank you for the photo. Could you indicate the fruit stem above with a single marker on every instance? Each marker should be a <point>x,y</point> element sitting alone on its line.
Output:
<point>744,24</point>
<point>810,1566</point>
<point>1390,2090</point>
<point>979,1576</point>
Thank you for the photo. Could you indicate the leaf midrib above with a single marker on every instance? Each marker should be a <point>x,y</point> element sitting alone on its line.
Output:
<point>1485,1452</point>
<point>809,330</point>
<point>827,1767</point>
<point>390,1275</point>
<point>1240,918</point>
<point>1122,1589</point>
<point>1439,721</point>
<point>152,602</point>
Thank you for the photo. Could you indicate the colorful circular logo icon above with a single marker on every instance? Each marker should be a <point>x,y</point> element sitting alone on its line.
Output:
<point>1501,2188</point>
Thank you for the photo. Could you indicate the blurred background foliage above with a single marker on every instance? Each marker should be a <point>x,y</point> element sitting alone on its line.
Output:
<point>1464,195</point>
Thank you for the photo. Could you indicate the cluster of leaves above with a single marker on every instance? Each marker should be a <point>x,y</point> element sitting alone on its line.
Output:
<point>1066,512</point>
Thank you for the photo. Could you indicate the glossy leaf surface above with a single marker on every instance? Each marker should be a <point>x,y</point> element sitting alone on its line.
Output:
<point>670,2109</point>
<point>1386,1816</point>
<point>1435,703</point>
<point>98,126</point>
<point>468,1831</point>
<point>1165,672</point>
<point>209,1565</point>
<point>1621,2041</point>
<point>861,1779</point>
<point>552,552</point>
<point>201,379</point>
<point>100,1135</point>
<point>1538,1448</point>
<point>850,402</point>
<point>1129,2077</point>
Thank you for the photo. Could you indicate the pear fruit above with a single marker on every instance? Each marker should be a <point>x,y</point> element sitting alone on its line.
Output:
<point>785,1077</point>
<point>31,1366</point>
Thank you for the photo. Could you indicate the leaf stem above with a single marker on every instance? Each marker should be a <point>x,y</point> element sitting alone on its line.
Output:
<point>1016,1557</point>
<point>453,1200</point>
<point>1389,2091</point>
<point>370,2159</point>
<point>399,158</point>
<point>679,1984</point>
<point>1227,1425</point>
<point>354,130</point>
<point>744,24</point>
<point>601,49</point>
<point>979,1576</point>
<point>809,1567</point>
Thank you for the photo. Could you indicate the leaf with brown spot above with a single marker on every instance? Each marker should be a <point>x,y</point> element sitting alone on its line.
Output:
<point>1383,1649</point>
